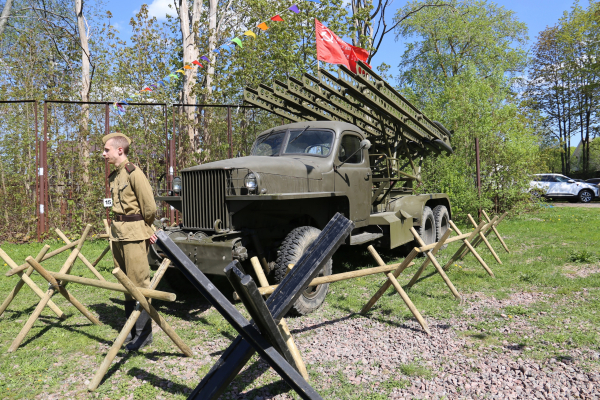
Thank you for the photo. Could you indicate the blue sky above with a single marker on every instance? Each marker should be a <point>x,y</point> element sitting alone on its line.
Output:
<point>536,14</point>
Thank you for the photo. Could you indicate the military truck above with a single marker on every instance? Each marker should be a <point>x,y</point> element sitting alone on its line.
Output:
<point>354,146</point>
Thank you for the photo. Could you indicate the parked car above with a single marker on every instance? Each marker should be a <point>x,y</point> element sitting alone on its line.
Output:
<point>593,181</point>
<point>556,186</point>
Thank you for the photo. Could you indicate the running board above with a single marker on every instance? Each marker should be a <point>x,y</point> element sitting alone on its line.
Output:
<point>364,238</point>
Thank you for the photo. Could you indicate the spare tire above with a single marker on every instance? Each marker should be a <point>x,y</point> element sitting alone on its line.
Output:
<point>290,251</point>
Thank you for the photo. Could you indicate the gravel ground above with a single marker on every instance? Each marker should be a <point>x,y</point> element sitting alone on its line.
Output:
<point>372,353</point>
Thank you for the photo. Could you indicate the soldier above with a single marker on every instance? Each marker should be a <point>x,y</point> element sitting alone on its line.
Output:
<point>131,231</point>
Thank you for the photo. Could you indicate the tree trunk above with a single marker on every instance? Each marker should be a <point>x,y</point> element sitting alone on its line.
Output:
<point>5,15</point>
<point>210,73</point>
<point>189,28</point>
<point>84,145</point>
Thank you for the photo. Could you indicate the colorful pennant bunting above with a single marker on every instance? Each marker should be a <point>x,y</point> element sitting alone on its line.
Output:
<point>277,18</point>
<point>205,59</point>
<point>187,67</point>
<point>237,41</point>
<point>294,9</point>
<point>195,62</point>
<point>263,26</point>
<point>250,33</point>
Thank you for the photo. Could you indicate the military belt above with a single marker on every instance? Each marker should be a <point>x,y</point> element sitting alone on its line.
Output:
<point>128,218</point>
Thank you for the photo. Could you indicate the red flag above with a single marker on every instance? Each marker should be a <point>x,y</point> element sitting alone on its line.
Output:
<point>332,49</point>
<point>277,18</point>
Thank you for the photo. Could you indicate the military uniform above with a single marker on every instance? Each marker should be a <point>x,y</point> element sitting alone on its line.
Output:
<point>134,210</point>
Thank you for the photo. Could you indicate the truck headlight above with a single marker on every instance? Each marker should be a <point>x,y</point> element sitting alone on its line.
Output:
<point>250,181</point>
<point>177,185</point>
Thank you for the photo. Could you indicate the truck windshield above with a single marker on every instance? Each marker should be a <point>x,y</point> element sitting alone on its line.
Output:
<point>309,141</point>
<point>269,144</point>
<point>301,141</point>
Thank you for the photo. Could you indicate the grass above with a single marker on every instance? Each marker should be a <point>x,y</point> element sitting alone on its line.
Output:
<point>553,258</point>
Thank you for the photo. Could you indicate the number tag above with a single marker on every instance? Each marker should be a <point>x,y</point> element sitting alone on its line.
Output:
<point>108,202</point>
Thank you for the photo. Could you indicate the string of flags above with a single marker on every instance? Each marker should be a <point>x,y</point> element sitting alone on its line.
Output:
<point>119,106</point>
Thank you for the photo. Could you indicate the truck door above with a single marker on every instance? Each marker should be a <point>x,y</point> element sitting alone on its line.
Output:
<point>353,177</point>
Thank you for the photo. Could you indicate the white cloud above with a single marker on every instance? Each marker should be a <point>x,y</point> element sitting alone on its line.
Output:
<point>160,8</point>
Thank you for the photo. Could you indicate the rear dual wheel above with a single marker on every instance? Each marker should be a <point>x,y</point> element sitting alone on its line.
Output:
<point>434,223</point>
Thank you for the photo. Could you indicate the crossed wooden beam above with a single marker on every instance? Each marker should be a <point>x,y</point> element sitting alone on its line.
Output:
<point>469,242</point>
<point>278,304</point>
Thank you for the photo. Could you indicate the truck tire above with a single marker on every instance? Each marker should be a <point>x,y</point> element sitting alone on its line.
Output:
<point>427,228</point>
<point>290,251</point>
<point>441,217</point>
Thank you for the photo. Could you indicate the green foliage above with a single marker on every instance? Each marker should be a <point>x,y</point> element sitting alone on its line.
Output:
<point>582,256</point>
<point>459,70</point>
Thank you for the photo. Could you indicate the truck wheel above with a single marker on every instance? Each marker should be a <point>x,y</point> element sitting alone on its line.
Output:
<point>427,228</point>
<point>290,251</point>
<point>441,217</point>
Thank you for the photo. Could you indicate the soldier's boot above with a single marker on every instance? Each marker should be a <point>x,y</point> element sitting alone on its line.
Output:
<point>143,332</point>
<point>129,308</point>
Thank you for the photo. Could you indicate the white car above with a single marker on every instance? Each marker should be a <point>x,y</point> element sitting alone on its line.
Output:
<point>555,186</point>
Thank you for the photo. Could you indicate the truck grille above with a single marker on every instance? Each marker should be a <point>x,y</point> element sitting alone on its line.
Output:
<point>204,199</point>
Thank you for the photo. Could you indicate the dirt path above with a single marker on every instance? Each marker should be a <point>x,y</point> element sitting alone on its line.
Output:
<point>581,205</point>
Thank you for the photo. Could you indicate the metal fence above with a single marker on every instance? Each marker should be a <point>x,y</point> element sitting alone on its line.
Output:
<point>55,177</point>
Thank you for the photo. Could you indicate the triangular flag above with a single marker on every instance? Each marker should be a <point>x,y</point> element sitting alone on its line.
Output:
<point>277,18</point>
<point>129,99</point>
<point>216,51</point>
<point>154,86</point>
<point>250,33</point>
<point>294,8</point>
<point>174,75</point>
<point>263,26</point>
<point>124,102</point>
<point>160,83</point>
<point>167,78</point>
<point>205,58</point>
<point>147,89</point>
<point>187,67</point>
<point>195,62</point>
<point>237,41</point>
<point>180,70</point>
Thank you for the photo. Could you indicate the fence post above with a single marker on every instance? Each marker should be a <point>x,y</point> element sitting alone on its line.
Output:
<point>106,166</point>
<point>229,131</point>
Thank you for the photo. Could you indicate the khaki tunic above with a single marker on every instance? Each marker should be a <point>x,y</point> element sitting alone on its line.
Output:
<point>132,194</point>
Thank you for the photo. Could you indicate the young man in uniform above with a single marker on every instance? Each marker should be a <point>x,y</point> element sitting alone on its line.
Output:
<point>131,230</point>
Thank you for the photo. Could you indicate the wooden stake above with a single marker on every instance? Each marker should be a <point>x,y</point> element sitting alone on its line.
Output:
<point>472,250</point>
<point>431,257</point>
<point>46,275</point>
<point>23,267</point>
<point>495,231</point>
<point>25,279</point>
<point>118,343</point>
<point>80,256</point>
<point>101,256</point>
<point>434,251</point>
<point>44,301</point>
<point>133,290</point>
<point>401,267</point>
<point>392,279</point>
<point>483,238</point>
<point>285,331</point>
<point>153,294</point>
<point>463,246</point>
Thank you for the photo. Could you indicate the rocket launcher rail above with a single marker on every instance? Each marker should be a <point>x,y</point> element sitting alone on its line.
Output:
<point>392,123</point>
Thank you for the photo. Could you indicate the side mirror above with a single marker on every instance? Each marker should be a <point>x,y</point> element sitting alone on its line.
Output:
<point>570,181</point>
<point>366,144</point>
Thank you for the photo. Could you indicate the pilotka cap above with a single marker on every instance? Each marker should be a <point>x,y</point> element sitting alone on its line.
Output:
<point>112,135</point>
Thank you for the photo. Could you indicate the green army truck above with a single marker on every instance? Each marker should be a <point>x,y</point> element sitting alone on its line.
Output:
<point>354,146</point>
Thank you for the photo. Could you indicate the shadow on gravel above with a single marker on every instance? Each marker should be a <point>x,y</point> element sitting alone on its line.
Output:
<point>253,372</point>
